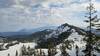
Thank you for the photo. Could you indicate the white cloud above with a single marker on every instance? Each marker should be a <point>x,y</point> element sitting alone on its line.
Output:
<point>36,13</point>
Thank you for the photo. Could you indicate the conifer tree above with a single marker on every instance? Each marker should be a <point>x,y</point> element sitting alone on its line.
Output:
<point>16,53</point>
<point>77,50</point>
<point>23,50</point>
<point>92,20</point>
<point>28,48</point>
<point>49,52</point>
<point>40,52</point>
<point>8,54</point>
<point>54,51</point>
<point>50,46</point>
<point>63,50</point>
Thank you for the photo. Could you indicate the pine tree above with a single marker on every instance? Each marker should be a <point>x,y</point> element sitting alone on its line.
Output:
<point>16,53</point>
<point>54,51</point>
<point>63,50</point>
<point>92,19</point>
<point>23,50</point>
<point>49,52</point>
<point>8,54</point>
<point>40,52</point>
<point>77,50</point>
<point>37,53</point>
<point>28,48</point>
<point>50,46</point>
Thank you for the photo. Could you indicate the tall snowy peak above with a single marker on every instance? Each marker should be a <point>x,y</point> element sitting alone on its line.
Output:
<point>63,33</point>
<point>65,28</point>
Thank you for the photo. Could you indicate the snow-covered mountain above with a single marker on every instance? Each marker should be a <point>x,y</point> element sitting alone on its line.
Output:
<point>66,34</point>
<point>63,32</point>
<point>60,32</point>
<point>69,34</point>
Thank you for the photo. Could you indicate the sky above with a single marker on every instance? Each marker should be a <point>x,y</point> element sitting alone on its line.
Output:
<point>29,14</point>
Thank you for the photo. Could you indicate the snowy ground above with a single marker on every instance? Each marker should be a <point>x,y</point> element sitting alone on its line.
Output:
<point>78,40</point>
<point>12,49</point>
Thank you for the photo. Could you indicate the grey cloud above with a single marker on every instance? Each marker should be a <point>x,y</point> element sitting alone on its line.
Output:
<point>35,13</point>
<point>6,3</point>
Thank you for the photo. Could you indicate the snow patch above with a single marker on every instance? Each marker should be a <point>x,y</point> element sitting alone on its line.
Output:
<point>12,49</point>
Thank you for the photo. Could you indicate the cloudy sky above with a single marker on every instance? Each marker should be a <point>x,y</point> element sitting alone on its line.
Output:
<point>28,14</point>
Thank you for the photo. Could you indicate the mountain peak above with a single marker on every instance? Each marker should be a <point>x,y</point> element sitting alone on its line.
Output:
<point>65,31</point>
<point>64,25</point>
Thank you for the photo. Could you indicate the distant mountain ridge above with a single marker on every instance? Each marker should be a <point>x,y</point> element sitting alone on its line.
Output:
<point>44,33</point>
<point>26,31</point>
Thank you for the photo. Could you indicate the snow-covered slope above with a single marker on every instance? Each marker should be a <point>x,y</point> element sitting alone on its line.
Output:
<point>63,32</point>
<point>74,35</point>
<point>12,50</point>
<point>65,28</point>
<point>78,40</point>
<point>67,32</point>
